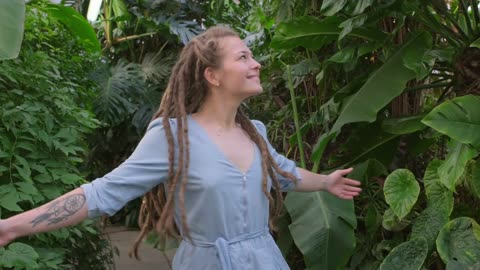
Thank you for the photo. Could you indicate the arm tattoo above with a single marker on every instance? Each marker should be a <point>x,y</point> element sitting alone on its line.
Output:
<point>61,210</point>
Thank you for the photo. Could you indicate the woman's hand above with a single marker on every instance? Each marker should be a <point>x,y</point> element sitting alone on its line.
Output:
<point>5,236</point>
<point>342,187</point>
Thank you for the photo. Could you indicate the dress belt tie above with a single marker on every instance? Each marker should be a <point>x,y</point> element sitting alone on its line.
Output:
<point>222,246</point>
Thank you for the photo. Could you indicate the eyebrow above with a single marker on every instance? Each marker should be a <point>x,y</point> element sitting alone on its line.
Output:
<point>244,51</point>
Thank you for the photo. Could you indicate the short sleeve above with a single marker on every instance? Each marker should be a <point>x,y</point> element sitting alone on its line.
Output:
<point>146,167</point>
<point>284,163</point>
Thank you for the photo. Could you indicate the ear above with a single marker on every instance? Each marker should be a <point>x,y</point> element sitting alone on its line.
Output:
<point>212,76</point>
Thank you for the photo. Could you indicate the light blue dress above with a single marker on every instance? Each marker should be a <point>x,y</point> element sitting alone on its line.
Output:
<point>227,211</point>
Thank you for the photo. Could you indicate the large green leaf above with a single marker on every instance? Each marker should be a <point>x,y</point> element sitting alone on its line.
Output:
<point>401,191</point>
<point>383,85</point>
<point>12,20</point>
<point>407,256</point>
<point>458,240</point>
<point>9,198</point>
<point>438,195</point>
<point>331,7</point>
<point>455,163</point>
<point>458,118</point>
<point>391,222</point>
<point>309,32</point>
<point>476,178</point>
<point>456,265</point>
<point>428,224</point>
<point>19,256</point>
<point>77,25</point>
<point>322,228</point>
<point>403,125</point>
<point>476,43</point>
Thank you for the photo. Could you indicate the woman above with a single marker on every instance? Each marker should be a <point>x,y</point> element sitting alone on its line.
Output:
<point>204,165</point>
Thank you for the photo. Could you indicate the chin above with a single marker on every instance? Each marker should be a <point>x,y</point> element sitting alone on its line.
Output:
<point>254,92</point>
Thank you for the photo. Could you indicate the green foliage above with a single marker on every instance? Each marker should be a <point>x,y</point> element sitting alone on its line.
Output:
<point>78,26</point>
<point>322,228</point>
<point>401,191</point>
<point>45,118</point>
<point>454,165</point>
<point>381,88</point>
<point>407,256</point>
<point>459,240</point>
<point>458,118</point>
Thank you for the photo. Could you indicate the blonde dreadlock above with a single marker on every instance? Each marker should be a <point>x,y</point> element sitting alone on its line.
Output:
<point>185,93</point>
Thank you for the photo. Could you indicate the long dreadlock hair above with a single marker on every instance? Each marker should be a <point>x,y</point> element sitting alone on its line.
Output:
<point>185,93</point>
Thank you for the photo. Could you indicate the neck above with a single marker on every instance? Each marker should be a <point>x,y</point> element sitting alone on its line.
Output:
<point>218,111</point>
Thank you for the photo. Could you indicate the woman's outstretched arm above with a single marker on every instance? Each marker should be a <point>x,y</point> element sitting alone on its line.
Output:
<point>68,209</point>
<point>335,183</point>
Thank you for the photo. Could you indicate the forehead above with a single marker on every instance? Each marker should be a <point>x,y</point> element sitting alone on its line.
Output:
<point>233,45</point>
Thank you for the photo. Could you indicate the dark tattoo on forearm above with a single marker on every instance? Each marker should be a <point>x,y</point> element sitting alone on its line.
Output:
<point>61,210</point>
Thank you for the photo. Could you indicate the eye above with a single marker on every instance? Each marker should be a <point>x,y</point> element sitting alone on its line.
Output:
<point>243,57</point>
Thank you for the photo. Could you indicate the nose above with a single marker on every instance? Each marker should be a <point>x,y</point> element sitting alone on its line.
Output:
<point>256,65</point>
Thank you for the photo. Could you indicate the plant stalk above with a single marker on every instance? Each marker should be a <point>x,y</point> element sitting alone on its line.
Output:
<point>295,117</point>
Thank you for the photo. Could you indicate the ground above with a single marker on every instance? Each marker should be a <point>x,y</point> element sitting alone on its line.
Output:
<point>151,258</point>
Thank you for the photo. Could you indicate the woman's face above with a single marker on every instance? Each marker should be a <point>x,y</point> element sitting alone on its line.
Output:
<point>239,74</point>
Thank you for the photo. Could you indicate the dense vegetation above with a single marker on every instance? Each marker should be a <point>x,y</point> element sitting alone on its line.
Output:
<point>389,87</point>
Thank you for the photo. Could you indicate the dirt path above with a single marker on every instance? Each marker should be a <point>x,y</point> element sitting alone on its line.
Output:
<point>150,258</point>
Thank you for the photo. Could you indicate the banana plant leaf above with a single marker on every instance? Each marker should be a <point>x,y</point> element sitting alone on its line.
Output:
<point>77,24</point>
<point>322,228</point>
<point>384,84</point>
<point>458,118</point>
<point>312,33</point>
<point>12,22</point>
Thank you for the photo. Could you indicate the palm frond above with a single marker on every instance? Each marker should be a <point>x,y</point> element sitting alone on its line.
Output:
<point>121,88</point>
<point>157,67</point>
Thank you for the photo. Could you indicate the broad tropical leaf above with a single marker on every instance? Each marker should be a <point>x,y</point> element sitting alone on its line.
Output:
<point>401,191</point>
<point>119,86</point>
<point>331,7</point>
<point>476,178</point>
<point>476,43</point>
<point>391,221</point>
<point>407,256</point>
<point>12,21</point>
<point>428,224</point>
<point>322,228</point>
<point>20,256</point>
<point>458,118</point>
<point>459,240</point>
<point>455,163</point>
<point>438,195</point>
<point>456,265</point>
<point>77,24</point>
<point>382,86</point>
<point>312,33</point>
<point>403,125</point>
<point>120,11</point>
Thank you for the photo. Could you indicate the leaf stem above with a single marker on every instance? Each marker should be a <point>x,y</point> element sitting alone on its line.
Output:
<point>295,117</point>
<point>427,86</point>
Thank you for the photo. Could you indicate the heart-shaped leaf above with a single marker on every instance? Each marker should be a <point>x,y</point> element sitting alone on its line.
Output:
<point>401,191</point>
<point>458,118</point>
<point>458,240</point>
<point>407,256</point>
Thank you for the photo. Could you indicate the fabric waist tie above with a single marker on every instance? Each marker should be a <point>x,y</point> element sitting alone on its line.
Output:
<point>222,246</point>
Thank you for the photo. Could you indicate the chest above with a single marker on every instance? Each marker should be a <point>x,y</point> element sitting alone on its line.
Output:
<point>236,147</point>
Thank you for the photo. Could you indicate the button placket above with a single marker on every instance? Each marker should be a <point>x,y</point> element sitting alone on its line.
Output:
<point>245,202</point>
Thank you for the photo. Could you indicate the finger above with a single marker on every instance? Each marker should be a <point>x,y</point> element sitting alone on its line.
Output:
<point>345,171</point>
<point>352,189</point>
<point>350,193</point>
<point>352,182</point>
<point>346,197</point>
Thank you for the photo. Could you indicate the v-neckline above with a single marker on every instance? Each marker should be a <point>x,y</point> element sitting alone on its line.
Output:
<point>220,151</point>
